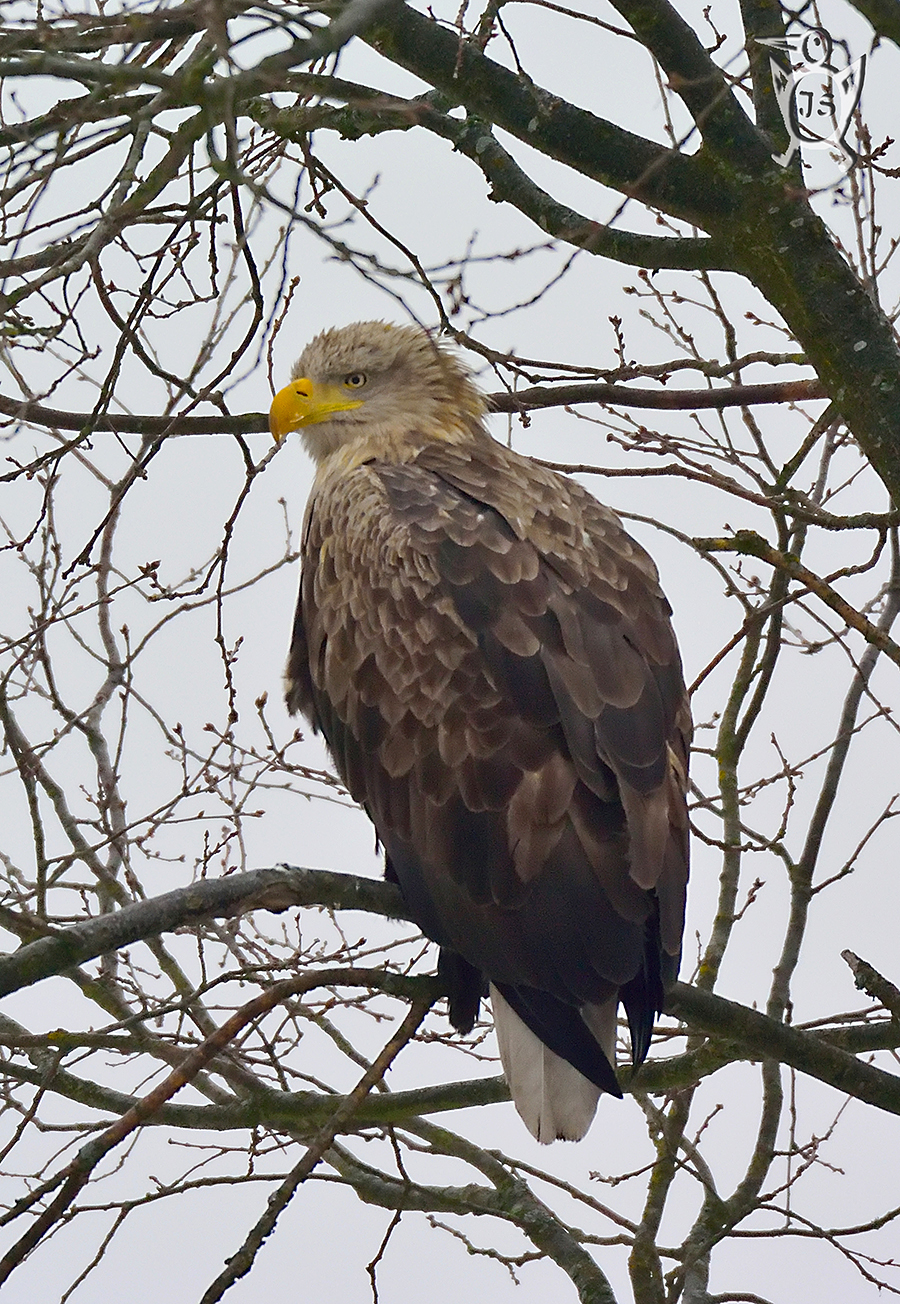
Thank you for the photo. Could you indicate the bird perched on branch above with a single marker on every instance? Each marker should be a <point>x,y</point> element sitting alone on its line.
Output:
<point>490,659</point>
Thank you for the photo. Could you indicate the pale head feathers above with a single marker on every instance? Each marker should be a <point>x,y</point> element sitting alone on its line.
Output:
<point>404,383</point>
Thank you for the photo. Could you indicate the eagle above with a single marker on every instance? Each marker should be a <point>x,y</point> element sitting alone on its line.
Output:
<point>490,659</point>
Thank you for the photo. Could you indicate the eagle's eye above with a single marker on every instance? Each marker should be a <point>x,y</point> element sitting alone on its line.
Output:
<point>355,380</point>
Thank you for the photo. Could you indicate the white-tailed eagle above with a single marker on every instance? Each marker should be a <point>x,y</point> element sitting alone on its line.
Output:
<point>490,659</point>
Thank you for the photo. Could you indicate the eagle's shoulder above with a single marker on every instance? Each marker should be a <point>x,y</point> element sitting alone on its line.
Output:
<point>579,539</point>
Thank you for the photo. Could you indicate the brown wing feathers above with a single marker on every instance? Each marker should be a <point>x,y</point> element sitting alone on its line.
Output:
<point>490,660</point>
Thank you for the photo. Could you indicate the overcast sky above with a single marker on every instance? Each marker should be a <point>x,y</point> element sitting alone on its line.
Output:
<point>435,200</point>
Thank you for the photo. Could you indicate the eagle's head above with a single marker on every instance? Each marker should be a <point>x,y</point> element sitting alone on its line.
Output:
<point>375,381</point>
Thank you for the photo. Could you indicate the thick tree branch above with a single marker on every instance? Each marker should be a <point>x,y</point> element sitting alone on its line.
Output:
<point>284,887</point>
<point>762,1037</point>
<point>289,1111</point>
<point>297,1111</point>
<point>525,400</point>
<point>773,235</point>
<point>868,979</point>
<point>762,19</point>
<point>596,148</point>
<point>683,400</point>
<point>698,80</point>
<point>275,889</point>
<point>370,113</point>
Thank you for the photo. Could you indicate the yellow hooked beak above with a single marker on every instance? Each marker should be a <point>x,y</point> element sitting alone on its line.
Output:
<point>303,403</point>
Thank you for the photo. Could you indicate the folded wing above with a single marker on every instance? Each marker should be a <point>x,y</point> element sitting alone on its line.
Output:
<point>491,661</point>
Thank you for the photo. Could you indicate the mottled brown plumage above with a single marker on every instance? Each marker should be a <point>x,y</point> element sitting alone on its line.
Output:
<point>490,659</point>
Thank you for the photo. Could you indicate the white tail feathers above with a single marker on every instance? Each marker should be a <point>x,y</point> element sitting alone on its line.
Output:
<point>554,1100</point>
